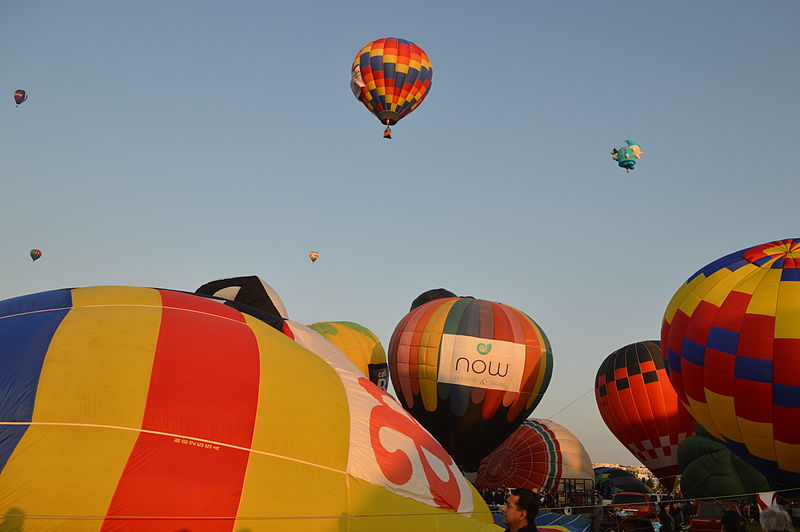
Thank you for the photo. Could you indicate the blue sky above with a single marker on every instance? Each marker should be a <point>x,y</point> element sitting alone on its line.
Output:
<point>167,144</point>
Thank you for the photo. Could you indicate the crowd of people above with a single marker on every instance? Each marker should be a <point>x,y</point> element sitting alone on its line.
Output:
<point>519,508</point>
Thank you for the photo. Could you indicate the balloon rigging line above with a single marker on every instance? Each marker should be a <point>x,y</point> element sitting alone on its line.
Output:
<point>171,435</point>
<point>590,390</point>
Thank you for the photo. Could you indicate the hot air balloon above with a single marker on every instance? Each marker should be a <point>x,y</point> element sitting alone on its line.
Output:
<point>20,96</point>
<point>36,254</point>
<point>391,77</point>
<point>313,256</point>
<point>709,469</point>
<point>611,480</point>
<point>247,290</point>
<point>470,371</point>
<point>537,456</point>
<point>360,345</point>
<point>627,155</point>
<point>115,399</point>
<point>639,406</point>
<point>732,334</point>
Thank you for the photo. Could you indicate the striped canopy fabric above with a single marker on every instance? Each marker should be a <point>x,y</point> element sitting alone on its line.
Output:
<point>537,456</point>
<point>391,77</point>
<point>140,409</point>
<point>732,338</point>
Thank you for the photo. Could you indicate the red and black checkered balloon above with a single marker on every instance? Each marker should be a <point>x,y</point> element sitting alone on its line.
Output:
<point>639,405</point>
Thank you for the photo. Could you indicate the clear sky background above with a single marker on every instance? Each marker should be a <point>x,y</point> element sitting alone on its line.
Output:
<point>167,144</point>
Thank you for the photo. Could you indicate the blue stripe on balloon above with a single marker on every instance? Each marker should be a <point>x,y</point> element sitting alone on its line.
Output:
<point>389,70</point>
<point>778,478</point>
<point>778,264</point>
<point>732,261</point>
<point>376,101</point>
<point>412,75</point>
<point>673,361</point>
<point>723,340</point>
<point>693,352</point>
<point>27,325</point>
<point>470,324</point>
<point>790,274</point>
<point>753,369</point>
<point>786,395</point>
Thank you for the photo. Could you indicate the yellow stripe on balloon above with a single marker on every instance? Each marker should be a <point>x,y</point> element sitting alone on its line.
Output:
<point>542,364</point>
<point>750,284</point>
<point>701,414</point>
<point>787,317</point>
<point>428,362</point>
<point>788,456</point>
<point>724,409</point>
<point>717,294</point>
<point>104,382</point>
<point>758,438</point>
<point>283,402</point>
<point>678,299</point>
<point>763,300</point>
<point>263,495</point>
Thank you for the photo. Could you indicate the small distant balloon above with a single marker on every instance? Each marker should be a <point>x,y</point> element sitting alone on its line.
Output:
<point>36,254</point>
<point>627,155</point>
<point>313,256</point>
<point>20,96</point>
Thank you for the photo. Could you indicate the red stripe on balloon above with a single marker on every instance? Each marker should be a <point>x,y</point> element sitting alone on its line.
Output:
<point>203,386</point>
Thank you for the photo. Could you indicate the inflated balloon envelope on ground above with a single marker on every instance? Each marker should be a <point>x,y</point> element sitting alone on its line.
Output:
<point>125,408</point>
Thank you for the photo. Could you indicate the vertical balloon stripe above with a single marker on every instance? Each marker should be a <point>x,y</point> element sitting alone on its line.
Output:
<point>536,363</point>
<point>503,330</point>
<point>399,365</point>
<point>27,326</point>
<point>468,325</point>
<point>204,383</point>
<point>425,341</point>
<point>95,390</point>
<point>430,344</point>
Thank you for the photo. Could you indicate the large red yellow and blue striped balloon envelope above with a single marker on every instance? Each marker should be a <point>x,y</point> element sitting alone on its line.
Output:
<point>732,337</point>
<point>637,403</point>
<point>470,371</point>
<point>537,456</point>
<point>391,77</point>
<point>139,409</point>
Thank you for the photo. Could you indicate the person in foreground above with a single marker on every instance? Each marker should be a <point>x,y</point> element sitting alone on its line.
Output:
<point>774,519</point>
<point>519,511</point>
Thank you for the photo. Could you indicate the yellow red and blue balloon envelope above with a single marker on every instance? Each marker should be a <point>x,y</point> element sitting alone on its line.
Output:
<point>639,406</point>
<point>732,338</point>
<point>391,77</point>
<point>140,409</point>
<point>20,96</point>
<point>537,456</point>
<point>470,371</point>
<point>360,345</point>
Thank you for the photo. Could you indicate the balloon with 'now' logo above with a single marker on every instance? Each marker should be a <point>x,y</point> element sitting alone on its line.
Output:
<point>470,371</point>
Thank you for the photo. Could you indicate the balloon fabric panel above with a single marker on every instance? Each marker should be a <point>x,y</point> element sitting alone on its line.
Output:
<point>80,452</point>
<point>217,403</point>
<point>23,357</point>
<point>732,333</point>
